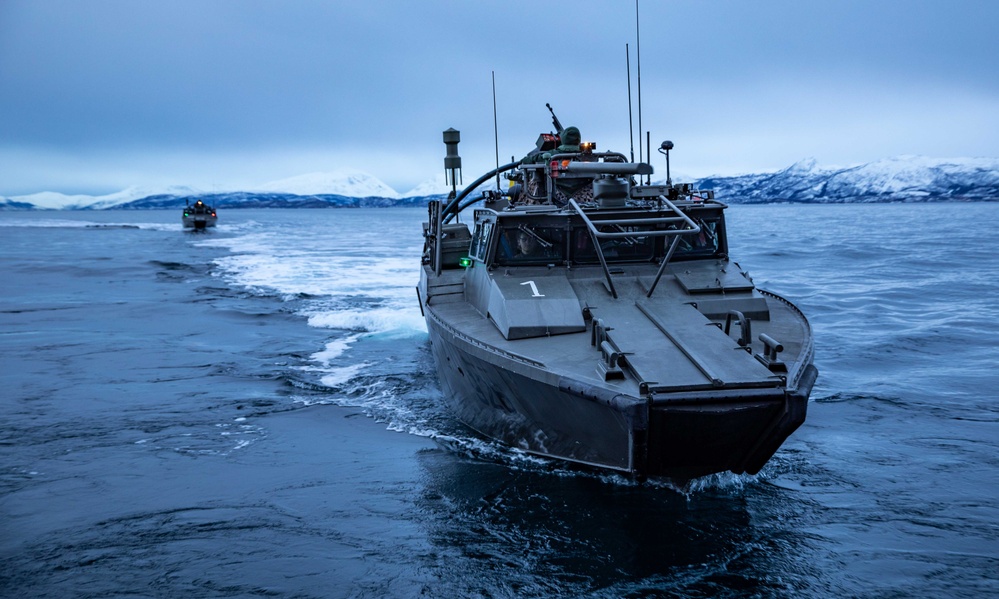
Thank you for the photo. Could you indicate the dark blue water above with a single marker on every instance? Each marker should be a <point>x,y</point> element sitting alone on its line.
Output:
<point>252,411</point>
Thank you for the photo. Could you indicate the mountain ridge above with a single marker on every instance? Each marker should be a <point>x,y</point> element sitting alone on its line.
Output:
<point>899,179</point>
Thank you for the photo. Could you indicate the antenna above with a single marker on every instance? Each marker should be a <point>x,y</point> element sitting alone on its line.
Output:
<point>496,132</point>
<point>648,152</point>
<point>638,53</point>
<point>631,124</point>
<point>664,149</point>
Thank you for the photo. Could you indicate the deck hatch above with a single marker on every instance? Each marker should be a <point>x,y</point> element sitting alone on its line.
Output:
<point>711,277</point>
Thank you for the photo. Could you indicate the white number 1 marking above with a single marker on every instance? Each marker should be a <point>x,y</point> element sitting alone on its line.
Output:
<point>534,288</point>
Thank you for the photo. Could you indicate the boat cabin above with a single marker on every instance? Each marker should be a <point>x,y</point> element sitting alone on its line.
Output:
<point>574,209</point>
<point>534,236</point>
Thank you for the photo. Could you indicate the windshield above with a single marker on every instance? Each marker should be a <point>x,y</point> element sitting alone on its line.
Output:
<point>526,244</point>
<point>531,245</point>
<point>480,240</point>
<point>629,248</point>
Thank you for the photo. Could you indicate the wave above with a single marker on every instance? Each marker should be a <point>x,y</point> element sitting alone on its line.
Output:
<point>364,286</point>
<point>56,223</point>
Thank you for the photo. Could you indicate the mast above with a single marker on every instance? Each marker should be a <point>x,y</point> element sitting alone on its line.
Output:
<point>631,124</point>
<point>496,132</point>
<point>638,52</point>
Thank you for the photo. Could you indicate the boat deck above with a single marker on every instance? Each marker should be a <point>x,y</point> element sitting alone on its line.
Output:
<point>663,344</point>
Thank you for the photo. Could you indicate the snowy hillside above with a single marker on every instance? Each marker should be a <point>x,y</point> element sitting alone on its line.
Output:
<point>432,187</point>
<point>351,183</point>
<point>905,178</point>
<point>51,200</point>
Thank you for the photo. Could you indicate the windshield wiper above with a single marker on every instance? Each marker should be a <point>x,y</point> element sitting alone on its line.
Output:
<point>544,242</point>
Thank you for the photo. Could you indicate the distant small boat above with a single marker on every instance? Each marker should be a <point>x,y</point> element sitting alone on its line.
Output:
<point>199,216</point>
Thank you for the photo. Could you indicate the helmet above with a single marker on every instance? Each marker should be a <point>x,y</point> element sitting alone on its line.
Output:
<point>570,140</point>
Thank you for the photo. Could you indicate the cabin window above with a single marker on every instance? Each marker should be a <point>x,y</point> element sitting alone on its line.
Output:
<point>480,240</point>
<point>624,248</point>
<point>531,245</point>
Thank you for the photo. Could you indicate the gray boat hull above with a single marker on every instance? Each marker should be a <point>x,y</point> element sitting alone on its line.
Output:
<point>682,436</point>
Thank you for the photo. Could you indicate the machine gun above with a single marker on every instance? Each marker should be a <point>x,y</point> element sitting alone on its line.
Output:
<point>548,141</point>
<point>558,125</point>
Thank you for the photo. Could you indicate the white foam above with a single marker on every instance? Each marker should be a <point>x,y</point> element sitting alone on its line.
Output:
<point>353,273</point>
<point>57,223</point>
<point>369,291</point>
<point>333,350</point>
<point>338,376</point>
<point>395,320</point>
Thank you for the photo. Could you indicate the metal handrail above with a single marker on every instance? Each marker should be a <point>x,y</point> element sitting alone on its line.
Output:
<point>596,235</point>
<point>676,241</point>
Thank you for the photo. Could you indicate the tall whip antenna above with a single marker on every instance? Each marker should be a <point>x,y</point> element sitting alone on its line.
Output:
<point>631,124</point>
<point>638,52</point>
<point>496,132</point>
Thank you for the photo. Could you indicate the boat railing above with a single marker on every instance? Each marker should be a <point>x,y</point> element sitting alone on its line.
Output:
<point>677,217</point>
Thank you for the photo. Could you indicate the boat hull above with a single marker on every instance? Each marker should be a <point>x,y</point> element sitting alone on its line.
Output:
<point>520,403</point>
<point>508,400</point>
<point>198,222</point>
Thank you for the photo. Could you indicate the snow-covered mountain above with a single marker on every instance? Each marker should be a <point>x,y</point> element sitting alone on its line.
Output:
<point>905,178</point>
<point>901,179</point>
<point>344,182</point>
<point>52,200</point>
<point>431,187</point>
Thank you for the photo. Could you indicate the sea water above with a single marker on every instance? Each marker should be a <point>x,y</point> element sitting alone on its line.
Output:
<point>253,411</point>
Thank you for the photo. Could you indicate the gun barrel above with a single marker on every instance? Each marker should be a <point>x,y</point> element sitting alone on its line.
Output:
<point>558,125</point>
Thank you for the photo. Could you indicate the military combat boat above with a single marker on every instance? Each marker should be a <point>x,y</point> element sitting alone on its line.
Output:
<point>199,216</point>
<point>590,317</point>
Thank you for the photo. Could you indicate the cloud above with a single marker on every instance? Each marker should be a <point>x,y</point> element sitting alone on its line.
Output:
<point>99,94</point>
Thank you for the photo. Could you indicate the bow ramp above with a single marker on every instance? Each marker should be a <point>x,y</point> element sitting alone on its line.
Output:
<point>682,351</point>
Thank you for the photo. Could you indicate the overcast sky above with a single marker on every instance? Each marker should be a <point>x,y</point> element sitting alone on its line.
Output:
<point>99,95</point>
